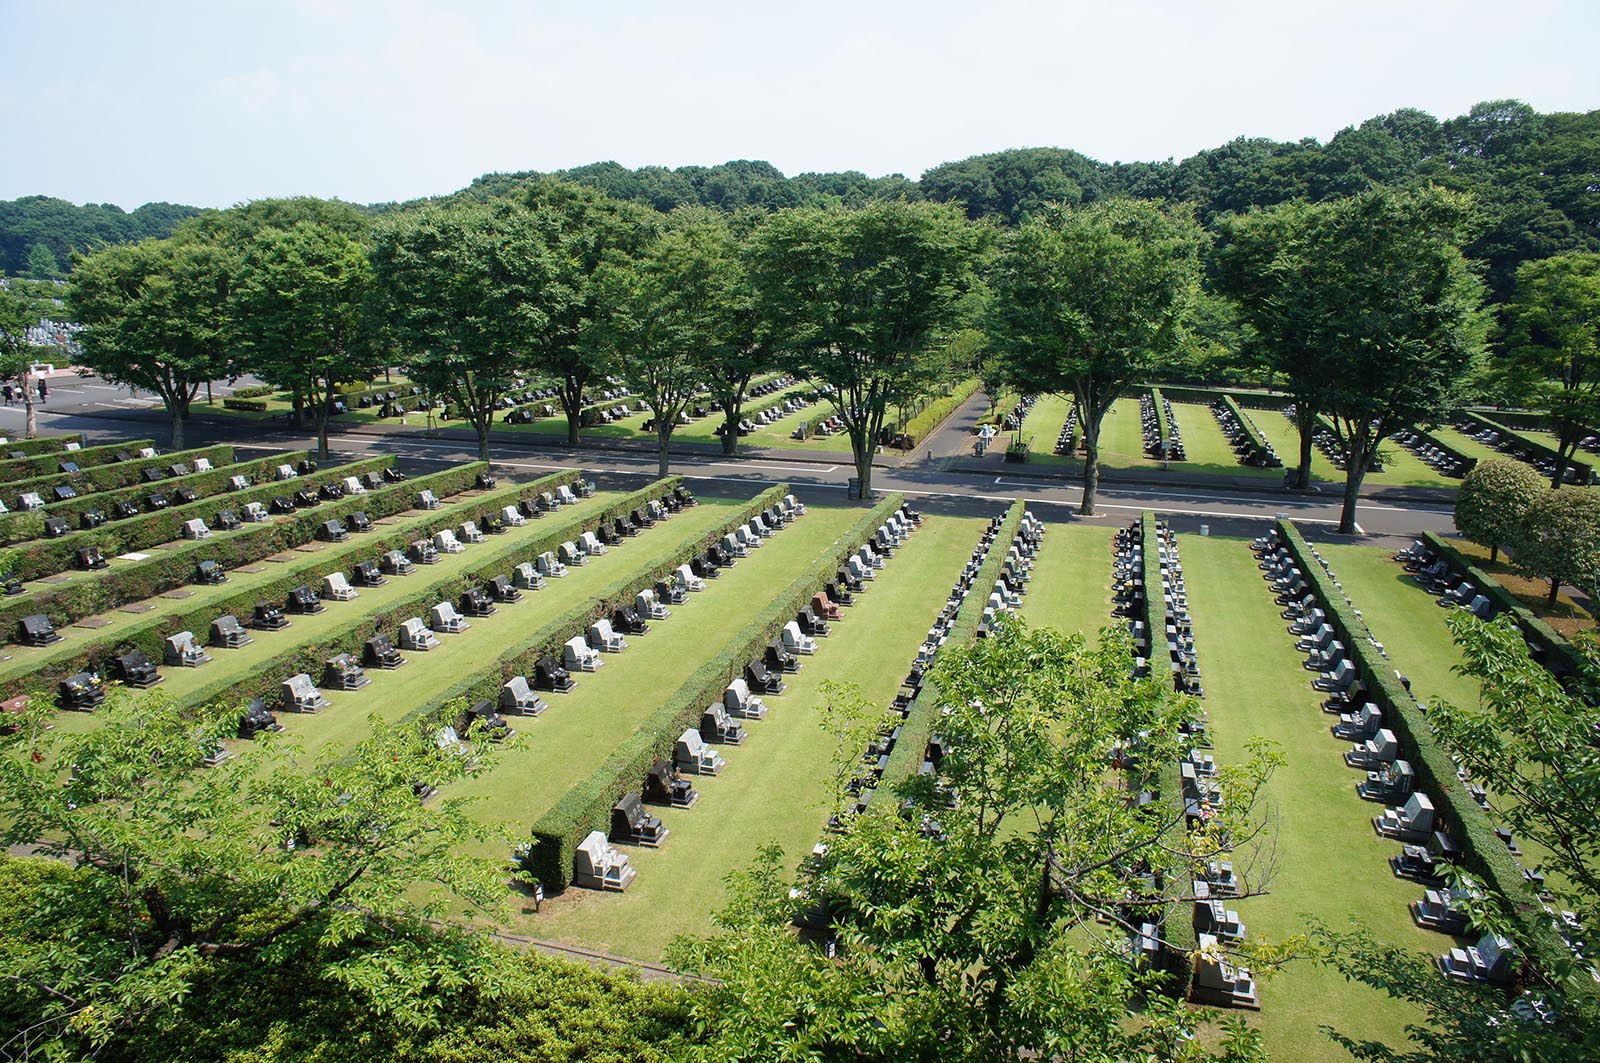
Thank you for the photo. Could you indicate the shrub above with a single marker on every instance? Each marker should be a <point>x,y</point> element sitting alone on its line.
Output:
<point>254,391</point>
<point>233,402</point>
<point>934,414</point>
<point>1559,540</point>
<point>1494,500</point>
<point>43,444</point>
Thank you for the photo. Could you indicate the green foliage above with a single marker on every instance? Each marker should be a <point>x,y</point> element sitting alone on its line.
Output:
<point>157,317</point>
<point>980,943</point>
<point>42,264</point>
<point>233,402</point>
<point>44,462</point>
<point>64,228</point>
<point>1530,743</point>
<point>258,863</point>
<point>1554,341</point>
<point>1559,540</point>
<point>865,301</point>
<point>1087,302</point>
<point>1494,500</point>
<point>933,414</point>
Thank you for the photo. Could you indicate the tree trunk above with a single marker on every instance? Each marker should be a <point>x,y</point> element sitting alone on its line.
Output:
<point>664,428</point>
<point>31,424</point>
<point>1302,473</point>
<point>1494,552</point>
<point>1357,458</point>
<point>1555,592</point>
<point>1562,456</point>
<point>863,456</point>
<point>175,415</point>
<point>1091,457</point>
<point>730,425</point>
<point>482,426</point>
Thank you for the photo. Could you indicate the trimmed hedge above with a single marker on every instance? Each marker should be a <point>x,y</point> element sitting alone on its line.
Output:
<point>1468,462</point>
<point>1482,851</point>
<point>587,806</point>
<point>1257,440</point>
<point>233,402</point>
<point>483,679</point>
<point>589,416</point>
<point>1164,435</point>
<point>931,416</point>
<point>1255,400</point>
<point>1561,657</point>
<point>905,759</point>
<point>1533,446</point>
<point>42,557</point>
<point>255,391</point>
<point>103,486</point>
<point>45,464</point>
<point>44,444</point>
<point>151,635</point>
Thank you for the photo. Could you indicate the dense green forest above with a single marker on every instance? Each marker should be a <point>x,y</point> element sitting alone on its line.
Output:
<point>1534,178</point>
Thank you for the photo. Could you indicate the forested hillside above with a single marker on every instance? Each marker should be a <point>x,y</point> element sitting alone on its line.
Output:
<point>1535,179</point>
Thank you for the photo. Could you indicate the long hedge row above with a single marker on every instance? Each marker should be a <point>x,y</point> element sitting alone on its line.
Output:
<point>45,464</point>
<point>42,444</point>
<point>150,635</point>
<point>905,759</point>
<point>1164,430</point>
<point>1255,400</point>
<point>1559,655</point>
<point>1177,929</point>
<point>100,494</point>
<point>587,806</point>
<point>116,474</point>
<point>42,557</point>
<point>1257,440</point>
<point>1533,446</point>
<point>1482,851</point>
<point>166,569</point>
<point>490,560</point>
<point>930,417</point>
<point>1468,461</point>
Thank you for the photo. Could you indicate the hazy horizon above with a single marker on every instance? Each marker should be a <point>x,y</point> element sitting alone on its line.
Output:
<point>191,103</point>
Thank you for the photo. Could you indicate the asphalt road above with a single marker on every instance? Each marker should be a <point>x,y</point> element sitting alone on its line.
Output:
<point>109,412</point>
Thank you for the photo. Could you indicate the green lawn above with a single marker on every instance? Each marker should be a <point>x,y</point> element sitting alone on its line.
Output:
<point>775,786</point>
<point>96,629</point>
<point>1071,586</point>
<point>1401,467</point>
<point>1208,449</point>
<point>1466,445</point>
<point>1257,686</point>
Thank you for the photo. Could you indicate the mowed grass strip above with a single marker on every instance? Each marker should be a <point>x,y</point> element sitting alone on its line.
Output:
<point>422,682</point>
<point>775,787</point>
<point>97,629</point>
<point>1331,865</point>
<point>1207,448</point>
<point>1071,586</point>
<point>552,753</point>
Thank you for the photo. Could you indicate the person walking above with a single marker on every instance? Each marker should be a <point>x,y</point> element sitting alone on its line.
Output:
<point>44,391</point>
<point>10,395</point>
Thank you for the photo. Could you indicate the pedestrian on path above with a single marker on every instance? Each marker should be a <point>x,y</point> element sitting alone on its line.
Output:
<point>44,390</point>
<point>10,395</point>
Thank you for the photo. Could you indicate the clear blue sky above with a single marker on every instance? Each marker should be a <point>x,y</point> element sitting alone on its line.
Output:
<point>218,102</point>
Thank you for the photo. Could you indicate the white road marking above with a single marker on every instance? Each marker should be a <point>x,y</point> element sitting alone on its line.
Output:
<point>102,387</point>
<point>753,465</point>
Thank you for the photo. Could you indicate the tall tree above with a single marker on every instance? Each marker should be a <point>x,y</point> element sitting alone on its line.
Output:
<point>1087,302</point>
<point>462,285</point>
<point>1559,540</point>
<point>750,348</point>
<point>577,226</point>
<point>258,864</point>
<point>1493,502</point>
<point>1554,342</point>
<point>19,312</point>
<point>668,313</point>
<point>157,316</point>
<point>301,313</point>
<point>866,300</point>
<point>967,929</point>
<point>1251,264</point>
